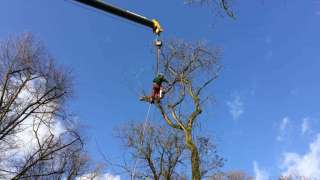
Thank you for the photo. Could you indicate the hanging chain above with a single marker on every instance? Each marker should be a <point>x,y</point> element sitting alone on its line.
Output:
<point>158,44</point>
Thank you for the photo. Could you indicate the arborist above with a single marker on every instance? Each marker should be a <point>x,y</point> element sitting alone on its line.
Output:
<point>157,89</point>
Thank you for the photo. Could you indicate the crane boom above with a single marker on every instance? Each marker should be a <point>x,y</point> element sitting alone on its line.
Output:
<point>153,24</point>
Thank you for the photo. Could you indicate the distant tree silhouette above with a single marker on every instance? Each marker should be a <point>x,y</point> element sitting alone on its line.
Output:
<point>220,6</point>
<point>157,152</point>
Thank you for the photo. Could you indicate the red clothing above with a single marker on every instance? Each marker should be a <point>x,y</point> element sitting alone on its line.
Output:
<point>155,90</point>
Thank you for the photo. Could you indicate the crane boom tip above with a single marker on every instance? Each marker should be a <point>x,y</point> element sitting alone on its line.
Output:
<point>157,29</point>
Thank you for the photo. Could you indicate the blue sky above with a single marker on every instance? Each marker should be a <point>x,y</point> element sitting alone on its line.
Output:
<point>265,117</point>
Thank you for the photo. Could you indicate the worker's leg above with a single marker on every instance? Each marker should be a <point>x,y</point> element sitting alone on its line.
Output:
<point>155,92</point>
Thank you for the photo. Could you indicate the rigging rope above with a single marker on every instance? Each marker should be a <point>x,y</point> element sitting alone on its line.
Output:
<point>142,140</point>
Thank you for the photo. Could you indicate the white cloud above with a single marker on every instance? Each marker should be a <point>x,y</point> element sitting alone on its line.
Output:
<point>283,128</point>
<point>307,165</point>
<point>46,123</point>
<point>111,177</point>
<point>26,139</point>
<point>235,107</point>
<point>305,126</point>
<point>284,123</point>
<point>106,176</point>
<point>259,173</point>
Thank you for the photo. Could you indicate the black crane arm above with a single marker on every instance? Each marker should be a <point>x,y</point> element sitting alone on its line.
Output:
<point>98,4</point>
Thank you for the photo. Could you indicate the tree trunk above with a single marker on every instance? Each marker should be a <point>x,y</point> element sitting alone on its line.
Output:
<point>195,161</point>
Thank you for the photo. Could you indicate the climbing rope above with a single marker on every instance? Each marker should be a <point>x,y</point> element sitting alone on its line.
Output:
<point>142,141</point>
<point>145,122</point>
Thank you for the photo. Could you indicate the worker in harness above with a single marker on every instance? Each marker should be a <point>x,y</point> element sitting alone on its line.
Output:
<point>157,89</point>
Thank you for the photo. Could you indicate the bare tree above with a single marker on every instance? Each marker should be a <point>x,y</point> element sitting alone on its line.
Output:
<point>190,69</point>
<point>155,151</point>
<point>296,177</point>
<point>216,4</point>
<point>37,140</point>
<point>232,175</point>
<point>160,153</point>
<point>241,175</point>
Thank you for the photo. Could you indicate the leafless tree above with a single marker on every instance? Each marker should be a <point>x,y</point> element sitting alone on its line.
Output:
<point>296,177</point>
<point>241,175</point>
<point>217,5</point>
<point>232,175</point>
<point>160,153</point>
<point>37,140</point>
<point>155,151</point>
<point>190,69</point>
